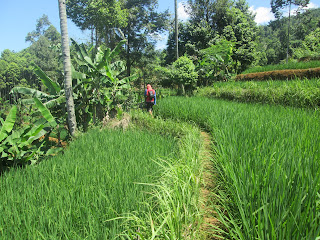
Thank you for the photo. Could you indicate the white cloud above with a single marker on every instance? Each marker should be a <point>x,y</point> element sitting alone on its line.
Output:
<point>162,41</point>
<point>161,46</point>
<point>295,8</point>
<point>263,14</point>
<point>311,5</point>
<point>182,14</point>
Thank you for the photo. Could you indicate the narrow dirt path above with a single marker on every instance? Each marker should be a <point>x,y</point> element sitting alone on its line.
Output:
<point>206,193</point>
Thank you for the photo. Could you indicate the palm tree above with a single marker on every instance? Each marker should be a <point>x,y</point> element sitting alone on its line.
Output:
<point>72,124</point>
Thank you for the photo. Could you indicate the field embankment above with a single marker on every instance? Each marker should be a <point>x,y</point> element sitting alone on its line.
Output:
<point>280,75</point>
<point>303,64</point>
<point>295,93</point>
<point>268,163</point>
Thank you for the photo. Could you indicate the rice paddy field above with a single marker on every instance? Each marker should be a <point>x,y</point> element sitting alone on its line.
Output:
<point>267,158</point>
<point>114,184</point>
<point>297,93</point>
<point>79,194</point>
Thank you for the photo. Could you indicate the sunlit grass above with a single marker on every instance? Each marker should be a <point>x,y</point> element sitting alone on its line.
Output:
<point>268,160</point>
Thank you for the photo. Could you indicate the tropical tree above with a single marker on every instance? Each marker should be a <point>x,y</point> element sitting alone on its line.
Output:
<point>42,40</point>
<point>101,17</point>
<point>67,68</point>
<point>136,21</point>
<point>15,70</point>
<point>98,88</point>
<point>215,63</point>
<point>184,75</point>
<point>278,5</point>
<point>211,21</point>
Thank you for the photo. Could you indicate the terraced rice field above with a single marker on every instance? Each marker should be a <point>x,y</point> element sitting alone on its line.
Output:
<point>268,163</point>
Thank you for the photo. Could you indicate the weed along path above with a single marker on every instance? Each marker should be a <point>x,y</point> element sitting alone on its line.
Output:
<point>210,221</point>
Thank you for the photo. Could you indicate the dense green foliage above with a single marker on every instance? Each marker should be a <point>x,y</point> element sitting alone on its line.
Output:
<point>215,63</point>
<point>21,144</point>
<point>295,93</point>
<point>183,74</point>
<point>97,86</point>
<point>212,21</point>
<point>77,193</point>
<point>112,21</point>
<point>273,37</point>
<point>267,159</point>
<point>16,69</point>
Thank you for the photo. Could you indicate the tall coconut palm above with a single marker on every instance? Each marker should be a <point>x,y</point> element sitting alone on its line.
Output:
<point>67,67</point>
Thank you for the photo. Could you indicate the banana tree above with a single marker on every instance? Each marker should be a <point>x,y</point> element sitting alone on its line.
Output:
<point>23,145</point>
<point>97,86</point>
<point>53,99</point>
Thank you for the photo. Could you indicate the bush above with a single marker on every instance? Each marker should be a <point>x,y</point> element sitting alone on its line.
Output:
<point>184,74</point>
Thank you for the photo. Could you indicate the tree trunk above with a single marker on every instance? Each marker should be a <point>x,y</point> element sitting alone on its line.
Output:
<point>72,124</point>
<point>176,27</point>
<point>288,32</point>
<point>128,56</point>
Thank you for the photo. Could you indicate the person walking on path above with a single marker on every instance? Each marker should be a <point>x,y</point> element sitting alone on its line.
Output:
<point>150,96</point>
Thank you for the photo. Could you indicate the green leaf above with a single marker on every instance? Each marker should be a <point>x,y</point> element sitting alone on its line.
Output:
<point>45,112</point>
<point>8,123</point>
<point>30,92</point>
<point>76,74</point>
<point>55,102</point>
<point>54,151</point>
<point>117,49</point>
<point>89,61</point>
<point>103,61</point>
<point>53,87</point>
<point>129,79</point>
<point>38,133</point>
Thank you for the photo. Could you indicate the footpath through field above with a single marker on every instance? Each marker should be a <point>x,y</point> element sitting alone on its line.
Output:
<point>210,221</point>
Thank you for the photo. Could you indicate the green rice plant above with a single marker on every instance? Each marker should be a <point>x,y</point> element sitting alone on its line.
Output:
<point>74,195</point>
<point>296,93</point>
<point>268,163</point>
<point>290,65</point>
<point>173,204</point>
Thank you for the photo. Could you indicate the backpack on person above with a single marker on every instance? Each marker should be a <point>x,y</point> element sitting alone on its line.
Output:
<point>151,94</point>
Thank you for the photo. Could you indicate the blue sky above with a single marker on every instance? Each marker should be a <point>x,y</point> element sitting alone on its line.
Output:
<point>18,17</point>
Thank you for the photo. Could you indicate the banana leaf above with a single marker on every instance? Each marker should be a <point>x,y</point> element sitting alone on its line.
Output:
<point>103,61</point>
<point>116,50</point>
<point>7,126</point>
<point>30,92</point>
<point>55,102</point>
<point>45,112</point>
<point>76,74</point>
<point>128,79</point>
<point>81,52</point>
<point>53,87</point>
